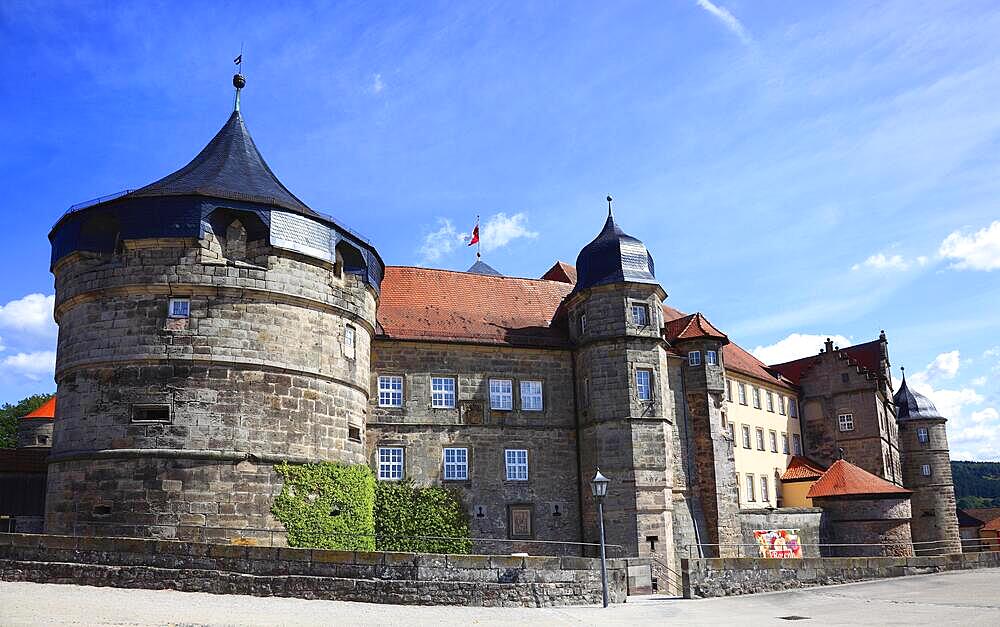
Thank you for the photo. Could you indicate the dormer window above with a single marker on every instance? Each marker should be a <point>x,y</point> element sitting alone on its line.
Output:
<point>694,358</point>
<point>640,314</point>
<point>179,308</point>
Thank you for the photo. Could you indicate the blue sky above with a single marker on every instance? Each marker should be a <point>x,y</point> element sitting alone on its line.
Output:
<point>798,169</point>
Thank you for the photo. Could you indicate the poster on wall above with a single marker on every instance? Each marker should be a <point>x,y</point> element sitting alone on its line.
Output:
<point>778,543</point>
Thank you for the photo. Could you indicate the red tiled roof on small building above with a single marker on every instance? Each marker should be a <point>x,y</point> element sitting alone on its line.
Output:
<point>983,514</point>
<point>562,272</point>
<point>845,479</point>
<point>45,410</point>
<point>802,469</point>
<point>867,355</point>
<point>690,327</point>
<point>442,305</point>
<point>993,525</point>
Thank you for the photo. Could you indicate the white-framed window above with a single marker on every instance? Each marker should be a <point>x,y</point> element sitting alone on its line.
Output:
<point>643,384</point>
<point>756,397</point>
<point>456,464</point>
<point>517,464</point>
<point>846,422</point>
<point>746,436</point>
<point>349,334</point>
<point>770,401</point>
<point>925,470</point>
<point>765,493</point>
<point>742,389</point>
<point>760,439</point>
<point>732,431</point>
<point>390,463</point>
<point>501,394</point>
<point>179,308</point>
<point>390,391</point>
<point>922,435</point>
<point>531,395</point>
<point>773,435</point>
<point>694,358</point>
<point>729,390</point>
<point>796,444</point>
<point>583,324</point>
<point>442,392</point>
<point>751,488</point>
<point>784,443</point>
<point>640,314</point>
<point>793,407</point>
<point>781,405</point>
<point>711,358</point>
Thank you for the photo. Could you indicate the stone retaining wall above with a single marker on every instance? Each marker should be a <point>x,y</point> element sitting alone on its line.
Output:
<point>405,578</point>
<point>728,577</point>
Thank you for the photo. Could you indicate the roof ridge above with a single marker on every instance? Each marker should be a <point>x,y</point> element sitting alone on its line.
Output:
<point>490,276</point>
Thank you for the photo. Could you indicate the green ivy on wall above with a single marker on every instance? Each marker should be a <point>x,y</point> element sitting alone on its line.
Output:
<point>403,511</point>
<point>327,506</point>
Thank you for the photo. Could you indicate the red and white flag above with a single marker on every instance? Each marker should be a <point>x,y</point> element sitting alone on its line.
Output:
<point>475,235</point>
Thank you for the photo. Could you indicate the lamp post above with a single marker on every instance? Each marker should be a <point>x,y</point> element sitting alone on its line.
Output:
<point>599,488</point>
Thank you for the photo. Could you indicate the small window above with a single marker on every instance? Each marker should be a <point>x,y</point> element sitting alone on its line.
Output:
<point>765,493</point>
<point>501,394</point>
<point>694,358</point>
<point>732,431</point>
<point>925,470</point>
<point>442,393</point>
<point>845,378</point>
<point>750,488</point>
<point>390,463</point>
<point>922,436</point>
<point>456,464</point>
<point>150,413</point>
<point>729,390</point>
<point>640,314</point>
<point>773,435</point>
<point>711,358</point>
<point>517,464</point>
<point>784,443</point>
<point>746,436</point>
<point>349,341</point>
<point>770,401</point>
<point>760,439</point>
<point>42,439</point>
<point>742,389</point>
<point>846,422</point>
<point>756,397</point>
<point>583,324</point>
<point>390,391</point>
<point>793,408</point>
<point>531,395</point>
<point>179,308</point>
<point>738,488</point>
<point>796,444</point>
<point>781,404</point>
<point>354,434</point>
<point>643,380</point>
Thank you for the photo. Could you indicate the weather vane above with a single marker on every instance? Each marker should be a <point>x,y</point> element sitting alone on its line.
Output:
<point>239,82</point>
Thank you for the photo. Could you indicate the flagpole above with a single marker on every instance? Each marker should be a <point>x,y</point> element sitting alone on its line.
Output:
<point>479,243</point>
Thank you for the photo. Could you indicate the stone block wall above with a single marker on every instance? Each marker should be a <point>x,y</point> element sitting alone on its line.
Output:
<point>874,527</point>
<point>935,523</point>
<point>806,521</point>
<point>34,432</point>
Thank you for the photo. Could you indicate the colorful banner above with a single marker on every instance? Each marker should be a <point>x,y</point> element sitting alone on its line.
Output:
<point>778,543</point>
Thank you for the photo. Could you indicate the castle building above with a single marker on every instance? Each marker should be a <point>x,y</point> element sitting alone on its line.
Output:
<point>211,325</point>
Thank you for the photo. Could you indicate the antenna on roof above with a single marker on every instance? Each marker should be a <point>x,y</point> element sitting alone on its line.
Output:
<point>239,82</point>
<point>610,200</point>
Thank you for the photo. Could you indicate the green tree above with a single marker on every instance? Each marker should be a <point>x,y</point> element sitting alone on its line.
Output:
<point>9,414</point>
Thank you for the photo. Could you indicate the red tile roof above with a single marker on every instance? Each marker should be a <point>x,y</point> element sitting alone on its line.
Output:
<point>984,514</point>
<point>845,479</point>
<point>993,525</point>
<point>802,468</point>
<point>442,305</point>
<point>867,355</point>
<point>692,326</point>
<point>46,410</point>
<point>562,272</point>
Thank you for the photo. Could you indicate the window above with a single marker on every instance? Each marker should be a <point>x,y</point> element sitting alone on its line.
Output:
<point>390,391</point>
<point>773,435</point>
<point>179,308</point>
<point>151,413</point>
<point>756,397</point>
<point>770,401</point>
<point>845,378</point>
<point>517,464</point>
<point>750,489</point>
<point>711,358</point>
<point>765,494</point>
<point>738,488</point>
<point>642,384</point>
<point>742,389</point>
<point>501,394</point>
<point>694,358</point>
<point>583,324</point>
<point>349,342</point>
<point>781,404</point>
<point>925,470</point>
<point>729,390</point>
<point>732,431</point>
<point>760,439</point>
<point>793,408</point>
<point>456,464</point>
<point>846,422</point>
<point>796,444</point>
<point>922,436</point>
<point>784,443</point>
<point>354,433</point>
<point>640,314</point>
<point>442,392</point>
<point>746,436</point>
<point>531,395</point>
<point>390,463</point>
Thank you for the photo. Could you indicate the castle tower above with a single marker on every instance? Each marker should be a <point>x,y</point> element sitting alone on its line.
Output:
<point>34,430</point>
<point>923,449</point>
<point>626,387</point>
<point>211,325</point>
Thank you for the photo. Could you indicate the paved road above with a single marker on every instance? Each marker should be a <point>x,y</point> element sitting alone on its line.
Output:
<point>955,598</point>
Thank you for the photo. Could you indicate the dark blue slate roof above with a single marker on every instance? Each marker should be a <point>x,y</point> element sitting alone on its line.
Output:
<point>912,405</point>
<point>613,257</point>
<point>481,267</point>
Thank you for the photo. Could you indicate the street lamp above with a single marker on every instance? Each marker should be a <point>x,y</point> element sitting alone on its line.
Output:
<point>599,488</point>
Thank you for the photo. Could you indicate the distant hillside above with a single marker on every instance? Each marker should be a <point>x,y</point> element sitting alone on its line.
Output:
<point>977,484</point>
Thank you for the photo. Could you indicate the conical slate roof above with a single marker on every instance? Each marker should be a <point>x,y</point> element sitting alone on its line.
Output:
<point>613,257</point>
<point>481,267</point>
<point>912,405</point>
<point>230,166</point>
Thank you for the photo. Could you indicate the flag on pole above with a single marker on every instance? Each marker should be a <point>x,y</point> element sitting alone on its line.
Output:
<point>475,235</point>
<point>238,60</point>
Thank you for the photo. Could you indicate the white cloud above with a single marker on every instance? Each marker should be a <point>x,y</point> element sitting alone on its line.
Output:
<point>922,260</point>
<point>377,85</point>
<point>979,381</point>
<point>795,346</point>
<point>978,251</point>
<point>32,366</point>
<point>944,365</point>
<point>440,242</point>
<point>728,19</point>
<point>33,314</point>
<point>501,230</point>
<point>992,352</point>
<point>884,262</point>
<point>985,415</point>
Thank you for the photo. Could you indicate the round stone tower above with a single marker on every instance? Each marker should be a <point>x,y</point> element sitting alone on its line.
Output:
<point>35,429</point>
<point>211,325</point>
<point>923,450</point>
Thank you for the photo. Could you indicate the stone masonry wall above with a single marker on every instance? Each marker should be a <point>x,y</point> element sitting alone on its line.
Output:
<point>806,521</point>
<point>935,523</point>
<point>34,432</point>
<point>883,524</point>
